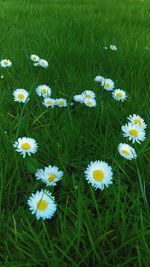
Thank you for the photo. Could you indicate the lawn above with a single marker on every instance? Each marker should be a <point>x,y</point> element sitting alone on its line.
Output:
<point>91,228</point>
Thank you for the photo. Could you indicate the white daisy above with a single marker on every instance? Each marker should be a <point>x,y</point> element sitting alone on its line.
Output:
<point>42,204</point>
<point>36,64</point>
<point>34,58</point>
<point>2,76</point>
<point>108,84</point>
<point>113,47</point>
<point>61,102</point>
<point>26,145</point>
<point>43,90</point>
<point>88,94</point>
<point>78,98</point>
<point>133,132</point>
<point>137,120</point>
<point>98,78</point>
<point>90,102</point>
<point>21,95</point>
<point>50,175</point>
<point>49,102</point>
<point>5,63</point>
<point>119,95</point>
<point>127,151</point>
<point>102,82</point>
<point>99,174</point>
<point>43,63</point>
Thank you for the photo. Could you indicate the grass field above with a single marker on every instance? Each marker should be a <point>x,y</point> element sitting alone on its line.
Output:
<point>91,228</point>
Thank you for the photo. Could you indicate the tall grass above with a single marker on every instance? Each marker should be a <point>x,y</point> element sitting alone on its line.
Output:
<point>91,228</point>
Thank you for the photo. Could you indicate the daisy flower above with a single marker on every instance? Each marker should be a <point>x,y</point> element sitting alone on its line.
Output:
<point>50,175</point>
<point>34,58</point>
<point>113,47</point>
<point>5,63</point>
<point>108,84</point>
<point>88,94</point>
<point>137,120</point>
<point>25,146</point>
<point>119,95</point>
<point>90,102</point>
<point>126,151</point>
<point>61,102</point>
<point>99,174</point>
<point>133,132</point>
<point>42,204</point>
<point>20,95</point>
<point>49,102</point>
<point>99,79</point>
<point>36,64</point>
<point>43,90</point>
<point>78,98</point>
<point>2,76</point>
<point>43,63</point>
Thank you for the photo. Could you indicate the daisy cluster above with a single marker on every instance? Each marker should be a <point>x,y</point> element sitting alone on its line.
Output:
<point>109,85</point>
<point>99,173</point>
<point>134,130</point>
<point>22,96</point>
<point>111,47</point>
<point>87,98</point>
<point>39,61</point>
<point>45,92</point>
<point>43,203</point>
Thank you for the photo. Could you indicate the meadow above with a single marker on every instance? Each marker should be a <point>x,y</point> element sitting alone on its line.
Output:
<point>91,228</point>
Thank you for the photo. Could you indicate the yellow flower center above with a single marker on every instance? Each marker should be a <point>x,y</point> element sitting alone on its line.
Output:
<point>49,102</point>
<point>51,177</point>
<point>43,63</point>
<point>5,62</point>
<point>133,132</point>
<point>138,121</point>
<point>119,95</point>
<point>125,151</point>
<point>44,91</point>
<point>88,95</point>
<point>42,205</point>
<point>107,84</point>
<point>34,58</point>
<point>61,102</point>
<point>98,175</point>
<point>21,96</point>
<point>89,103</point>
<point>26,146</point>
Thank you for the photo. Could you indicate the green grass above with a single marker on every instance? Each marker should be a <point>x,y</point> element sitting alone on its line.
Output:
<point>91,228</point>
